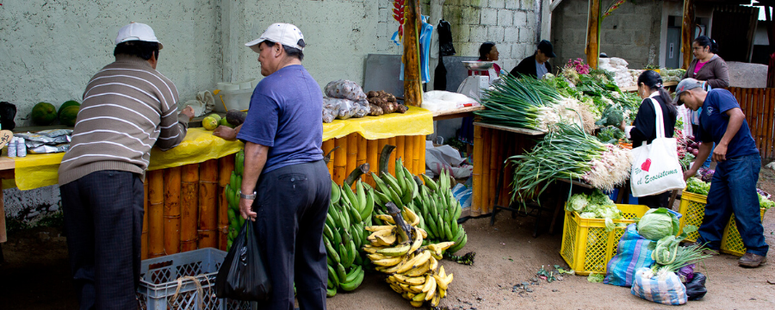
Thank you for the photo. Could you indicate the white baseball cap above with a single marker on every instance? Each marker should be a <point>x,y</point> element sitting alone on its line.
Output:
<point>285,34</point>
<point>137,32</point>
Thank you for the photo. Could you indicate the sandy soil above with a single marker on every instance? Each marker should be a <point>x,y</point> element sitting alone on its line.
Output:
<point>35,275</point>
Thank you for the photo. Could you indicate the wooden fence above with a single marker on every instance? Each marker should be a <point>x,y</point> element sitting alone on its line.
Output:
<point>758,104</point>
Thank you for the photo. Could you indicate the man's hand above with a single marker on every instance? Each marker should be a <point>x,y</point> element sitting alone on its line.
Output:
<point>245,209</point>
<point>720,152</point>
<point>689,173</point>
<point>188,111</point>
<point>225,132</point>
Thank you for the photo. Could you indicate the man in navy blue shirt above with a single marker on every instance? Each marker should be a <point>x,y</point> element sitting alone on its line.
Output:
<point>286,186</point>
<point>733,188</point>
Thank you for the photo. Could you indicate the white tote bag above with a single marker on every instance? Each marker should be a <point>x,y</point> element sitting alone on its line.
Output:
<point>656,168</point>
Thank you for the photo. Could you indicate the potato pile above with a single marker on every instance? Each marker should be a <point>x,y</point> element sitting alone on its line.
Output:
<point>383,103</point>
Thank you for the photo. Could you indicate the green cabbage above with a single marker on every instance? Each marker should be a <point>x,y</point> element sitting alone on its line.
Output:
<point>576,203</point>
<point>765,203</point>
<point>657,224</point>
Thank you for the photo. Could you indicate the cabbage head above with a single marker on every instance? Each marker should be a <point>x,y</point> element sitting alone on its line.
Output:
<point>657,224</point>
<point>577,203</point>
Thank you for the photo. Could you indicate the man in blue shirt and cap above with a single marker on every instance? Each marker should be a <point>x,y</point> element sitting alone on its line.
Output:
<point>733,189</point>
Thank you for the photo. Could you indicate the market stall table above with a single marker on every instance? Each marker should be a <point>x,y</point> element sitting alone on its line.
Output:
<point>457,113</point>
<point>185,206</point>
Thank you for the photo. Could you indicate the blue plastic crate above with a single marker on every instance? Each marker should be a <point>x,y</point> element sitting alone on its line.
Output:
<point>170,282</point>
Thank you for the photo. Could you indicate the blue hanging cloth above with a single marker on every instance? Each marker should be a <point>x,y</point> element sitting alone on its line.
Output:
<point>426,32</point>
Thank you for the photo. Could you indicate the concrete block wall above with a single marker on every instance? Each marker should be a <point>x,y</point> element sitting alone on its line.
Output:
<point>631,32</point>
<point>511,24</point>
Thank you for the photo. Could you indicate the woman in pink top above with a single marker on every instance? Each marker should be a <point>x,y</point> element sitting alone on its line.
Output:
<point>707,66</point>
<point>488,52</point>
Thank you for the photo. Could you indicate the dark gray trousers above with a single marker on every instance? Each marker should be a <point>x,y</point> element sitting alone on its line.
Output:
<point>292,204</point>
<point>104,220</point>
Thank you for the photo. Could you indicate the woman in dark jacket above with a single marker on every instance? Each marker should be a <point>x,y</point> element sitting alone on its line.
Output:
<point>644,129</point>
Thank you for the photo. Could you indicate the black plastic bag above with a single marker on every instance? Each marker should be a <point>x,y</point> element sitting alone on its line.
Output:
<point>695,289</point>
<point>445,39</point>
<point>7,114</point>
<point>242,275</point>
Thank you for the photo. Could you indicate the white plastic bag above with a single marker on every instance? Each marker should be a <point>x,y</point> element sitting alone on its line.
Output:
<point>446,157</point>
<point>656,168</point>
<point>665,287</point>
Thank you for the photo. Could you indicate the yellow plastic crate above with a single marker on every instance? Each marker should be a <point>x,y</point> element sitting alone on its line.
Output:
<point>692,211</point>
<point>586,246</point>
<point>731,242</point>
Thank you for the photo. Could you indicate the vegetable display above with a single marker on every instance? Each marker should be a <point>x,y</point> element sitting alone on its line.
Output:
<point>596,205</point>
<point>568,152</point>
<point>697,186</point>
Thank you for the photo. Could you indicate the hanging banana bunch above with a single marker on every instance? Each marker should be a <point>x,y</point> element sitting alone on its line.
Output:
<point>396,248</point>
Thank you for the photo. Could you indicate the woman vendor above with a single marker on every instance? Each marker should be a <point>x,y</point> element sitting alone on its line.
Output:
<point>644,129</point>
<point>707,66</point>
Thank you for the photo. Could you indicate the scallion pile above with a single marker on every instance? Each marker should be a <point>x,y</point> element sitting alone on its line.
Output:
<point>567,152</point>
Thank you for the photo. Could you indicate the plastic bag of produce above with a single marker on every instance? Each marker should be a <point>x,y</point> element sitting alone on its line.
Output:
<point>242,275</point>
<point>664,287</point>
<point>330,109</point>
<point>344,108</point>
<point>695,289</point>
<point>344,89</point>
<point>632,254</point>
<point>362,108</point>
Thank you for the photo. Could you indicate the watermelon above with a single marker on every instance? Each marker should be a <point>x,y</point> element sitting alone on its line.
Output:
<point>43,113</point>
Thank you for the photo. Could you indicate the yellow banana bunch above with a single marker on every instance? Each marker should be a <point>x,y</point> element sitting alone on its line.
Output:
<point>413,269</point>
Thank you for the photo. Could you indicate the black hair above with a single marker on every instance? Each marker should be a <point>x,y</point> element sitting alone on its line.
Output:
<point>291,51</point>
<point>485,49</point>
<point>653,80</point>
<point>140,49</point>
<point>704,41</point>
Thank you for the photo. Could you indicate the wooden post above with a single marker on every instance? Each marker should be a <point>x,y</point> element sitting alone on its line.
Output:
<point>208,204</point>
<point>687,33</point>
<point>329,145</point>
<point>144,234</point>
<point>422,155</point>
<point>156,213</point>
<point>172,210</point>
<point>340,160</point>
<point>495,167</point>
<point>418,160</point>
<point>476,203</point>
<point>352,153</point>
<point>411,57</point>
<point>409,153</point>
<point>189,207</point>
<point>362,155</point>
<point>400,152</point>
<point>225,167</point>
<point>593,45</point>
<point>372,157</point>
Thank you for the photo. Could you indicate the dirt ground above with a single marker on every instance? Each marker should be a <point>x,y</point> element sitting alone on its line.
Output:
<point>36,276</point>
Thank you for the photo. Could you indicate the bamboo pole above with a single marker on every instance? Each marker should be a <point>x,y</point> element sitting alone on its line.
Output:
<point>189,207</point>
<point>340,160</point>
<point>409,153</point>
<point>372,157</point>
<point>329,145</point>
<point>400,151</point>
<point>411,56</point>
<point>362,155</point>
<point>225,167</point>
<point>476,203</point>
<point>352,152</point>
<point>419,152</point>
<point>208,204</point>
<point>506,141</point>
<point>172,210</point>
<point>495,166</point>
<point>156,213</point>
<point>394,155</point>
<point>593,46</point>
<point>687,33</point>
<point>144,234</point>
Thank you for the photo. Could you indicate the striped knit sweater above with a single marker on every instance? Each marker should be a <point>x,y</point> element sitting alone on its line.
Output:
<point>128,107</point>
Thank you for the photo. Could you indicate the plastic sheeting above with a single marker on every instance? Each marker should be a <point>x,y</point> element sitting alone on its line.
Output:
<point>41,170</point>
<point>416,121</point>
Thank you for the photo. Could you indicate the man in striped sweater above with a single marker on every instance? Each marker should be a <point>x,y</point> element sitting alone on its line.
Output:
<point>128,107</point>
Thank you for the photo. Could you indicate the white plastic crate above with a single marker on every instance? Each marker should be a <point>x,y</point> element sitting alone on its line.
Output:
<point>159,282</point>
